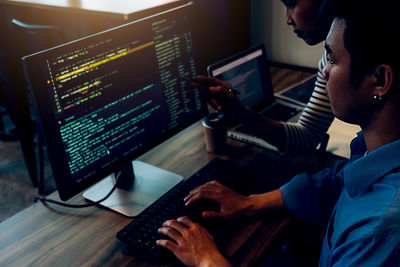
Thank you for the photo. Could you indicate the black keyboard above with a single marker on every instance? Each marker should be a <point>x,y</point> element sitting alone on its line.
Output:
<point>141,234</point>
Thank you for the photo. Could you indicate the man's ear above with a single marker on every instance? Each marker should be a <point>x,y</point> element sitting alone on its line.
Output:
<point>383,75</point>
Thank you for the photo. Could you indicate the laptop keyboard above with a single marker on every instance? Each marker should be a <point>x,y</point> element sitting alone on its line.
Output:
<point>277,112</point>
<point>280,112</point>
<point>141,234</point>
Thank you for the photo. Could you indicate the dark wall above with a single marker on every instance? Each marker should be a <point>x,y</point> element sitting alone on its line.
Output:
<point>222,27</point>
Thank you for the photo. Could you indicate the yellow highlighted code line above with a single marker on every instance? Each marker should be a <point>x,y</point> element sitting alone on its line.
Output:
<point>100,62</point>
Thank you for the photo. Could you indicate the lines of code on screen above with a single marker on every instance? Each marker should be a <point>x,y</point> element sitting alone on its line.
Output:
<point>117,94</point>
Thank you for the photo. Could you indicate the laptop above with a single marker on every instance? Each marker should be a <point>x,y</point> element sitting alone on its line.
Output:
<point>248,72</point>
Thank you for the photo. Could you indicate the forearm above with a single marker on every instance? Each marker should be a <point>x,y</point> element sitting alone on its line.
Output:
<point>254,204</point>
<point>266,202</point>
<point>215,261</point>
<point>271,131</point>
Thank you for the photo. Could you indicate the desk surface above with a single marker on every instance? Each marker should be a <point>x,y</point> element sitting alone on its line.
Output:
<point>55,236</point>
<point>123,8</point>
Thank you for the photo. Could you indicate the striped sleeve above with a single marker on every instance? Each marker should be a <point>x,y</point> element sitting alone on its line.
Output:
<point>311,128</point>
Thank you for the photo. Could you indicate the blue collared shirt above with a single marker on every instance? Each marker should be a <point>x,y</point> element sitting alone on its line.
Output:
<point>359,200</point>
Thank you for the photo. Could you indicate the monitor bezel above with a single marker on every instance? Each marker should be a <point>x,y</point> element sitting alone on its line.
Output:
<point>65,190</point>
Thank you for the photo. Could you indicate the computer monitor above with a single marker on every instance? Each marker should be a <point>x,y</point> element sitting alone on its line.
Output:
<point>106,99</point>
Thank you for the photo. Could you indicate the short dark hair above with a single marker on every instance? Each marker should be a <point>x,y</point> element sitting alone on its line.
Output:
<point>370,35</point>
<point>326,10</point>
<point>325,14</point>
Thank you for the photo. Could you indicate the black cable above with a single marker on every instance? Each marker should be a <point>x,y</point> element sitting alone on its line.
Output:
<point>45,199</point>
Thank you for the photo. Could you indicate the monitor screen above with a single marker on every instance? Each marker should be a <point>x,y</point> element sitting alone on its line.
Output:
<point>106,99</point>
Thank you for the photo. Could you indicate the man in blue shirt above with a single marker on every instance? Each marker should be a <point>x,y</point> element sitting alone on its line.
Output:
<point>358,199</point>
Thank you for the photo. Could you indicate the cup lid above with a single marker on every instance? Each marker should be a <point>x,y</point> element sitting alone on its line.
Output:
<point>214,119</point>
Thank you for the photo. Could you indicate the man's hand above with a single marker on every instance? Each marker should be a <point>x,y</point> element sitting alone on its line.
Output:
<point>192,245</point>
<point>231,203</point>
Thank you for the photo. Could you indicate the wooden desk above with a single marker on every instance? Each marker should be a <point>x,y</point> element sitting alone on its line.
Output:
<point>54,236</point>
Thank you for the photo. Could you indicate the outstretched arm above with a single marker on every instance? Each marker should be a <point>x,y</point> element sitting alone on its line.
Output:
<point>223,99</point>
<point>304,135</point>
<point>233,204</point>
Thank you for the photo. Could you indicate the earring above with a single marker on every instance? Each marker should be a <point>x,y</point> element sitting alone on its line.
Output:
<point>377,101</point>
<point>377,98</point>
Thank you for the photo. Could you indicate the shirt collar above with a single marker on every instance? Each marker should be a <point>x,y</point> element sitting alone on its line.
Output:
<point>363,171</point>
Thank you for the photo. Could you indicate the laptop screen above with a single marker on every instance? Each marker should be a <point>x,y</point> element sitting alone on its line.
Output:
<point>248,72</point>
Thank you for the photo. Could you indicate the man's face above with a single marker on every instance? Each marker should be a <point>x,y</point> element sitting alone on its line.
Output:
<point>348,103</point>
<point>302,16</point>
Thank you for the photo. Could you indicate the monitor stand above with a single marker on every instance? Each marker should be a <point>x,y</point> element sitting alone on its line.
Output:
<point>131,198</point>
